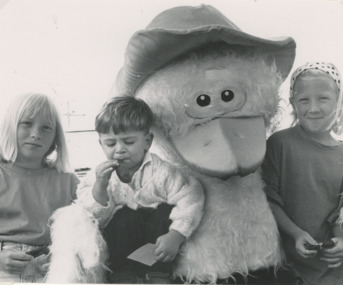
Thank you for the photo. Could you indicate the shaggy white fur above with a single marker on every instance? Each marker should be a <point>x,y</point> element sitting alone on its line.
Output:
<point>78,251</point>
<point>238,233</point>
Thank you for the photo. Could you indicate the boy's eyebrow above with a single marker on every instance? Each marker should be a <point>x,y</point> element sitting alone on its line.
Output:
<point>109,139</point>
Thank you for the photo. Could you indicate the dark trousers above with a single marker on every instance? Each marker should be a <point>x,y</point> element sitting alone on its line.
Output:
<point>129,230</point>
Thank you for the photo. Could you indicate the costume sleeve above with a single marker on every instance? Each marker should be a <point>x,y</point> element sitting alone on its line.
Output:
<point>85,197</point>
<point>271,172</point>
<point>187,195</point>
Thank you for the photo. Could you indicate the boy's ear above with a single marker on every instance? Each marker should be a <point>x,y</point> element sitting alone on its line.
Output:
<point>149,138</point>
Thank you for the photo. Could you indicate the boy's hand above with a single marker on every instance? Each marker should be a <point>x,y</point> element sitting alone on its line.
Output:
<point>334,256</point>
<point>104,171</point>
<point>168,246</point>
<point>14,261</point>
<point>103,174</point>
<point>305,245</point>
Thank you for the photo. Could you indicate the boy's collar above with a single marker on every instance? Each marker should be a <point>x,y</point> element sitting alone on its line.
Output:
<point>147,159</point>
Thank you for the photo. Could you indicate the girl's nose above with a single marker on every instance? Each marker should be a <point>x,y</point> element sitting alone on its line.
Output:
<point>35,133</point>
<point>314,107</point>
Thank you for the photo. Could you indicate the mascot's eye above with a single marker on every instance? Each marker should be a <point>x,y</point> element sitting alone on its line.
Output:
<point>203,100</point>
<point>227,95</point>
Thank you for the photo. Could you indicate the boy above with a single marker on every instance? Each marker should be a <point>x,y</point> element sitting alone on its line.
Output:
<point>139,197</point>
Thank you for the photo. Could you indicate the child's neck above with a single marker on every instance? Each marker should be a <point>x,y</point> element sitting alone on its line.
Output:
<point>324,138</point>
<point>29,164</point>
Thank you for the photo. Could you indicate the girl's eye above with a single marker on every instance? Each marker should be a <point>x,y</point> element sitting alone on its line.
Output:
<point>47,128</point>
<point>303,101</point>
<point>26,123</point>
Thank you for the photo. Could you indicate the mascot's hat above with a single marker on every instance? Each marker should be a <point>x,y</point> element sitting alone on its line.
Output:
<point>179,30</point>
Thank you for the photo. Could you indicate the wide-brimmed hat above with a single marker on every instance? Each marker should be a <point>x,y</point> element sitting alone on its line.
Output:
<point>179,30</point>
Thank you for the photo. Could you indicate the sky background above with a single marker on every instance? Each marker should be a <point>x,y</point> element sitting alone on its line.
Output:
<point>72,49</point>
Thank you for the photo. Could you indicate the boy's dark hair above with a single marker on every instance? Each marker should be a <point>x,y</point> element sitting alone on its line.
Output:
<point>124,113</point>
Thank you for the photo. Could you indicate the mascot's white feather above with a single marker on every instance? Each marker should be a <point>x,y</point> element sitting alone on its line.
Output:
<point>78,251</point>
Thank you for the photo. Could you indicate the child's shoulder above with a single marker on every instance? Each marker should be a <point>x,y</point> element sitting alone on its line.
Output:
<point>158,161</point>
<point>284,135</point>
<point>63,175</point>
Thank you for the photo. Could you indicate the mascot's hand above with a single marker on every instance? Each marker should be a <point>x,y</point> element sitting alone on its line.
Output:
<point>14,261</point>
<point>42,263</point>
<point>168,246</point>
<point>334,256</point>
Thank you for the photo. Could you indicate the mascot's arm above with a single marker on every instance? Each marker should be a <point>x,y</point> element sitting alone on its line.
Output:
<point>186,193</point>
<point>102,214</point>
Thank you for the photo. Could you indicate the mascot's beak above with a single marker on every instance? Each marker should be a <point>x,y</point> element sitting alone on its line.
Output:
<point>224,147</point>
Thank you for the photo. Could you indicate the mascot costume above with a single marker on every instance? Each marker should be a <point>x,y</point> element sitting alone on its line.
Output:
<point>213,90</point>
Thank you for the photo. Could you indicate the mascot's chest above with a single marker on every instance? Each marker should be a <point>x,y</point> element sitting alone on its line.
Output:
<point>237,233</point>
<point>242,199</point>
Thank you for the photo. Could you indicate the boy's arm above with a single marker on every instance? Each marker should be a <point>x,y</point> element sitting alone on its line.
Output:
<point>103,212</point>
<point>187,194</point>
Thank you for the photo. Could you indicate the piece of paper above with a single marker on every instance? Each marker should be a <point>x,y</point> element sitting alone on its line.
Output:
<point>144,254</point>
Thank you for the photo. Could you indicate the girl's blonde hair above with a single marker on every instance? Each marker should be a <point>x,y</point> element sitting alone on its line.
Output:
<point>29,105</point>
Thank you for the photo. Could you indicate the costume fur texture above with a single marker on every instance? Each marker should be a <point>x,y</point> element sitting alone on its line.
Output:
<point>78,251</point>
<point>238,233</point>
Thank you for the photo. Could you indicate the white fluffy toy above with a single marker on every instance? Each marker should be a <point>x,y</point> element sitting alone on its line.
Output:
<point>213,90</point>
<point>78,250</point>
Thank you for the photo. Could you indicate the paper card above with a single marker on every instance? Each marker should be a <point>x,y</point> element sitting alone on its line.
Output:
<point>144,254</point>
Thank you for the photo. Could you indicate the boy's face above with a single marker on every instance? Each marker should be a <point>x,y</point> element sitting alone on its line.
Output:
<point>127,147</point>
<point>315,103</point>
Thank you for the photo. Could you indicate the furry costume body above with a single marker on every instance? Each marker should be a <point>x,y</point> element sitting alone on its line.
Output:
<point>197,71</point>
<point>238,233</point>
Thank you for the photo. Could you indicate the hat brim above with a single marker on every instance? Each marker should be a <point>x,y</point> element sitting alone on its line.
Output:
<point>150,50</point>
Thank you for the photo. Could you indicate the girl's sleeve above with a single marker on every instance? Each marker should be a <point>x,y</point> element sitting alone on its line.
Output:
<point>74,183</point>
<point>85,197</point>
<point>336,217</point>
<point>271,172</point>
<point>186,194</point>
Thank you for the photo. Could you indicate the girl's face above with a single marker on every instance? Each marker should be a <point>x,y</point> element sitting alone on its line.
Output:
<point>35,136</point>
<point>128,148</point>
<point>315,103</point>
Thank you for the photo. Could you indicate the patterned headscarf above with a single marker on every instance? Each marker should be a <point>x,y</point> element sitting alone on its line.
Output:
<point>327,67</point>
<point>333,72</point>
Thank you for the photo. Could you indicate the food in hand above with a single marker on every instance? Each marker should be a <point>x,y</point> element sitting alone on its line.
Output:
<point>328,244</point>
<point>309,246</point>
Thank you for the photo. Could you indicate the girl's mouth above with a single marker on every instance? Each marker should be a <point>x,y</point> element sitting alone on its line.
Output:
<point>33,145</point>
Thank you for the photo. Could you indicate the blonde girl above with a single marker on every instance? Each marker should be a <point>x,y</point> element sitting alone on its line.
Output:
<point>35,180</point>
<point>303,171</point>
